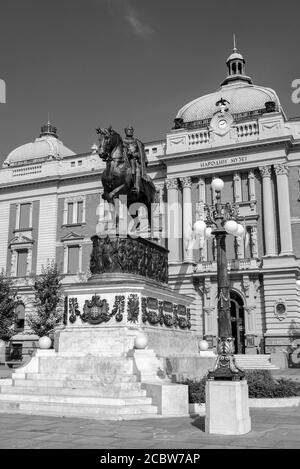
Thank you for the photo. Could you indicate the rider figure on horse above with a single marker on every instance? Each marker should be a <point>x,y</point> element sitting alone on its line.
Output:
<point>137,158</point>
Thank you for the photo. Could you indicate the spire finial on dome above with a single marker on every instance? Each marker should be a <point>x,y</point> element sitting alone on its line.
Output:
<point>234,44</point>
<point>48,129</point>
<point>236,67</point>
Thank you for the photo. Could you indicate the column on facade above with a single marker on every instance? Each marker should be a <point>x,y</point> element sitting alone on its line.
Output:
<point>29,261</point>
<point>174,221</point>
<point>286,242</point>
<point>201,216</point>
<point>157,212</point>
<point>253,241</point>
<point>237,185</point>
<point>187,207</point>
<point>268,211</point>
<point>65,259</point>
<point>17,225</point>
<point>252,194</point>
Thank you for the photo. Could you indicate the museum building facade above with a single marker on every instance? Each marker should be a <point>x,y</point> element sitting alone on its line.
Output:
<point>50,197</point>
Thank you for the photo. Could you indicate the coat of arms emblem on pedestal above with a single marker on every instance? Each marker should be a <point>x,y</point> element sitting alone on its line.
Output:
<point>95,311</point>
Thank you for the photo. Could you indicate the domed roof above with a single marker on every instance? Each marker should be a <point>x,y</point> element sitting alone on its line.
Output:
<point>46,145</point>
<point>237,89</point>
<point>242,97</point>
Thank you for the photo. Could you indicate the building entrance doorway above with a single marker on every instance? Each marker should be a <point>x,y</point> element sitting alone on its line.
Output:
<point>237,321</point>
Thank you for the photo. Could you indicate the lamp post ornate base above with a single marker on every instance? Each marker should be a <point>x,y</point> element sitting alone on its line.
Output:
<point>226,367</point>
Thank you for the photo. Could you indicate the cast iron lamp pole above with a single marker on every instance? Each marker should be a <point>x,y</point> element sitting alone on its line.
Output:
<point>222,219</point>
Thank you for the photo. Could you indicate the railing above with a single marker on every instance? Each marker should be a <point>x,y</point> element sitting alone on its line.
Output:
<point>27,170</point>
<point>199,138</point>
<point>248,129</point>
<point>235,264</point>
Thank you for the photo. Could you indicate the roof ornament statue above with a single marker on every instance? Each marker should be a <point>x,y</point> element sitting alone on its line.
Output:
<point>222,106</point>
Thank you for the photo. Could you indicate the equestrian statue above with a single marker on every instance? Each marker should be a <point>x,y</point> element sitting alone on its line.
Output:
<point>126,167</point>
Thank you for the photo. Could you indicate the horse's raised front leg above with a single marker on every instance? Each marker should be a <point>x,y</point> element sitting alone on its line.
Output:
<point>113,193</point>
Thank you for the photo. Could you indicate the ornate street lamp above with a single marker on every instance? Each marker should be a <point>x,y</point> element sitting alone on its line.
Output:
<point>220,221</point>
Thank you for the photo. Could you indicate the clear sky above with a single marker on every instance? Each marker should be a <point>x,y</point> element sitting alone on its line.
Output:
<point>98,62</point>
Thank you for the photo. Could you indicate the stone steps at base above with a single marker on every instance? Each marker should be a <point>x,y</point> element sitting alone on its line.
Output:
<point>255,362</point>
<point>84,411</point>
<point>60,383</point>
<point>76,400</point>
<point>124,378</point>
<point>129,391</point>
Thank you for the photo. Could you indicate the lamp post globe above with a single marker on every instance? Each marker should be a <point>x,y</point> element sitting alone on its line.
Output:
<point>199,227</point>
<point>217,184</point>
<point>231,227</point>
<point>240,230</point>
<point>208,232</point>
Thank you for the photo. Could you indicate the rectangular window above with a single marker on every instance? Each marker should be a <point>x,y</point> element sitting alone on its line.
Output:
<point>80,163</point>
<point>73,259</point>
<point>24,216</point>
<point>80,211</point>
<point>70,213</point>
<point>22,263</point>
<point>72,164</point>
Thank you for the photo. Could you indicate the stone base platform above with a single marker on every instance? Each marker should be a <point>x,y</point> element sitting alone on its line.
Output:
<point>89,386</point>
<point>227,408</point>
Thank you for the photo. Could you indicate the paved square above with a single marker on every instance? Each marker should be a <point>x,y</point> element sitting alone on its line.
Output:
<point>271,428</point>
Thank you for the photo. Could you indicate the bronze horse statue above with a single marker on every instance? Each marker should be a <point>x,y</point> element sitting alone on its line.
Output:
<point>117,178</point>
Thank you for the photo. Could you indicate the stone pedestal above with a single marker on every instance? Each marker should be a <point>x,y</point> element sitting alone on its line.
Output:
<point>105,314</point>
<point>227,408</point>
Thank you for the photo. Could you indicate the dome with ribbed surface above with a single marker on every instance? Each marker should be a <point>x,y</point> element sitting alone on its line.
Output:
<point>241,96</point>
<point>46,146</point>
<point>237,89</point>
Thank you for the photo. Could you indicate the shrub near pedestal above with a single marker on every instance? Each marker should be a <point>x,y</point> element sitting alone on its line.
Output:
<point>48,302</point>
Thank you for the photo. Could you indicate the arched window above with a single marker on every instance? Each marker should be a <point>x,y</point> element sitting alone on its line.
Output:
<point>20,317</point>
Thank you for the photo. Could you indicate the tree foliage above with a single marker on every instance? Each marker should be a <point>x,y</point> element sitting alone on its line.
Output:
<point>7,307</point>
<point>48,301</point>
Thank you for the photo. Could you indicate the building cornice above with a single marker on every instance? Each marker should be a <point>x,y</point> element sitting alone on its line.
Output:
<point>58,179</point>
<point>247,147</point>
